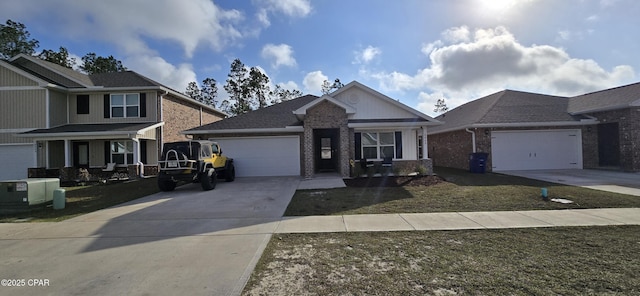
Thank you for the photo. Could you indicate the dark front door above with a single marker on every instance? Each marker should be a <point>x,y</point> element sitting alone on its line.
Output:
<point>326,149</point>
<point>81,154</point>
<point>609,145</point>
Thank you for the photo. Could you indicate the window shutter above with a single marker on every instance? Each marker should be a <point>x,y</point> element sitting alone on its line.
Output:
<point>398,145</point>
<point>107,152</point>
<point>143,105</point>
<point>358,138</point>
<point>143,151</point>
<point>107,106</point>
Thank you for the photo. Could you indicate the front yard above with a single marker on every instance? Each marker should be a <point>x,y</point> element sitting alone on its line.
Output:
<point>536,261</point>
<point>459,192</point>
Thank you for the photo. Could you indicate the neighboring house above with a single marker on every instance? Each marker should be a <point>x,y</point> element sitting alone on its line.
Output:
<point>332,133</point>
<point>52,117</point>
<point>528,131</point>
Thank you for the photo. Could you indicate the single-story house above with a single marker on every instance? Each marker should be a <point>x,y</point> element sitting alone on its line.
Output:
<point>54,120</point>
<point>331,133</point>
<point>528,131</point>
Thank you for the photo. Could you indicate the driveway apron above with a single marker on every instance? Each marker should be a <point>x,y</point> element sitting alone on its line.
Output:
<point>188,242</point>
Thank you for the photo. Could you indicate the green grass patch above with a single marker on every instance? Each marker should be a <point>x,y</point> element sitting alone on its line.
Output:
<point>542,261</point>
<point>86,199</point>
<point>462,192</point>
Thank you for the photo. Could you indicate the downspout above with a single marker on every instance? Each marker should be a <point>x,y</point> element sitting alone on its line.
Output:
<point>473,138</point>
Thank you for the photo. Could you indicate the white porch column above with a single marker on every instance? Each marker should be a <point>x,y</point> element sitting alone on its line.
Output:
<point>67,153</point>
<point>136,150</point>
<point>425,148</point>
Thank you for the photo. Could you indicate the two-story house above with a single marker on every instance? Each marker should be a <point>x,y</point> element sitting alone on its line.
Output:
<point>52,117</point>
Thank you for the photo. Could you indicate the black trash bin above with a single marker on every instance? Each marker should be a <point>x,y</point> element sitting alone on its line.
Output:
<point>477,162</point>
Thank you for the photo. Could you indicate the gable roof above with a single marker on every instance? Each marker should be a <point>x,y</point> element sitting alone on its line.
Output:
<point>604,100</point>
<point>278,117</point>
<point>302,111</point>
<point>509,108</point>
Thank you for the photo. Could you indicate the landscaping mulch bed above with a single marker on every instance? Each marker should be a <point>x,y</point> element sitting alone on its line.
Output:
<point>392,181</point>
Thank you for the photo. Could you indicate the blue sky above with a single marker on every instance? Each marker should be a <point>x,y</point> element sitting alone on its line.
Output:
<point>413,51</point>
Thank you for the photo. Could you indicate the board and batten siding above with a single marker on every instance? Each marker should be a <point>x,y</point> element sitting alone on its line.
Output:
<point>57,108</point>
<point>23,109</point>
<point>370,107</point>
<point>9,78</point>
<point>96,109</point>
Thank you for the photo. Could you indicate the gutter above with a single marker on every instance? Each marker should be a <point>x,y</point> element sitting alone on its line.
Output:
<point>473,138</point>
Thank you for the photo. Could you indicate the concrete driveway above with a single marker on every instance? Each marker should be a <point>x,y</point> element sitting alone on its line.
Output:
<point>612,181</point>
<point>185,242</point>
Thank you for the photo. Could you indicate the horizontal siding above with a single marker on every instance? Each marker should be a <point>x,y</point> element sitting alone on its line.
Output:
<point>57,108</point>
<point>23,109</point>
<point>96,110</point>
<point>11,78</point>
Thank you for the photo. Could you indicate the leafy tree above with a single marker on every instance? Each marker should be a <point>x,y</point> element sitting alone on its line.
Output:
<point>328,87</point>
<point>93,64</point>
<point>193,91</point>
<point>237,90</point>
<point>280,94</point>
<point>61,57</point>
<point>441,106</point>
<point>14,40</point>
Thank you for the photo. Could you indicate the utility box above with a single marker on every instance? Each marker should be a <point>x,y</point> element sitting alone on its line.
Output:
<point>16,195</point>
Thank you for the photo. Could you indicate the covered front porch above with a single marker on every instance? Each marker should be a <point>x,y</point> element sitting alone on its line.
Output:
<point>96,152</point>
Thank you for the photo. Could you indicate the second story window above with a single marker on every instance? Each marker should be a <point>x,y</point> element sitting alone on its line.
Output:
<point>125,105</point>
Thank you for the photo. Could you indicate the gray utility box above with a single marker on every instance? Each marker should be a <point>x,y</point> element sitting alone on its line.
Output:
<point>21,194</point>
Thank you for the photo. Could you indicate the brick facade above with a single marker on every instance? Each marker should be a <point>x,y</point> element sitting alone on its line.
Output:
<point>179,116</point>
<point>629,132</point>
<point>452,149</point>
<point>326,115</point>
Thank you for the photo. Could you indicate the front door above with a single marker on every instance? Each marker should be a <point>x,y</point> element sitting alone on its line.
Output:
<point>609,145</point>
<point>326,149</point>
<point>81,154</point>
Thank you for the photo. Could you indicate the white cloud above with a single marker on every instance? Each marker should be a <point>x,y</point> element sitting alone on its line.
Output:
<point>126,24</point>
<point>495,60</point>
<point>313,82</point>
<point>280,55</point>
<point>457,34</point>
<point>367,55</point>
<point>290,85</point>
<point>156,68</point>
<point>290,8</point>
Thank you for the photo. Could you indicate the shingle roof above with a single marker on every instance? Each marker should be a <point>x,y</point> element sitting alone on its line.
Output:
<point>608,99</point>
<point>507,107</point>
<point>122,79</point>
<point>52,72</point>
<point>275,116</point>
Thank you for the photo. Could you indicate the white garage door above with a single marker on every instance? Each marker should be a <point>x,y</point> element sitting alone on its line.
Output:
<point>536,150</point>
<point>263,156</point>
<point>15,160</point>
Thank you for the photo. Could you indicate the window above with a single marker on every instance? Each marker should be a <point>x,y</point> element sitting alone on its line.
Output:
<point>122,152</point>
<point>378,145</point>
<point>82,104</point>
<point>125,105</point>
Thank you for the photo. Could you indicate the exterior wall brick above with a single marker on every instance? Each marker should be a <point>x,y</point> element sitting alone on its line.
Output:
<point>179,115</point>
<point>326,115</point>
<point>629,132</point>
<point>452,149</point>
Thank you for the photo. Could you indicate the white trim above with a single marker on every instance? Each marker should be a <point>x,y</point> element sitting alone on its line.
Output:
<point>17,144</point>
<point>300,112</point>
<point>288,129</point>
<point>144,130</point>
<point>16,130</point>
<point>21,88</point>
<point>391,124</point>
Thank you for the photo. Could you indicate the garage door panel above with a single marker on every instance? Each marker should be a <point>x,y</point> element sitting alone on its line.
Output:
<point>15,161</point>
<point>263,156</point>
<point>532,150</point>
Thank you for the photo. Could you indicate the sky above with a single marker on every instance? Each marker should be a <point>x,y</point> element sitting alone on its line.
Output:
<point>414,51</point>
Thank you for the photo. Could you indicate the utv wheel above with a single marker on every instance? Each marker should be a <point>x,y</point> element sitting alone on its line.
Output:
<point>230,173</point>
<point>166,185</point>
<point>207,182</point>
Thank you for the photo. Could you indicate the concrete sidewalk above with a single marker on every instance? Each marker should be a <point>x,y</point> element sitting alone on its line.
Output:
<point>459,220</point>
